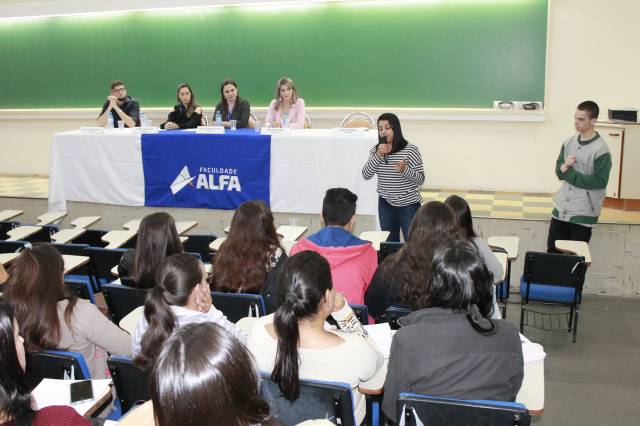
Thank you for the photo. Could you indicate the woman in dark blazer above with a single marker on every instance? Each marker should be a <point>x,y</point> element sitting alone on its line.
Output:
<point>187,114</point>
<point>232,106</point>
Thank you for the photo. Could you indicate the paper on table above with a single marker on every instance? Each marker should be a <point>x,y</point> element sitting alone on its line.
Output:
<point>381,335</point>
<point>56,392</point>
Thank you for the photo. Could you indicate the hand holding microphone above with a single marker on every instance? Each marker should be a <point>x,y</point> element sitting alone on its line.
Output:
<point>383,149</point>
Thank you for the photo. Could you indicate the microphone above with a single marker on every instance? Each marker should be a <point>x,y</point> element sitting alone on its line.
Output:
<point>382,141</point>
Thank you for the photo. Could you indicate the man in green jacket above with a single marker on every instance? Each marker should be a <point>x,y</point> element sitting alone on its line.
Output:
<point>583,167</point>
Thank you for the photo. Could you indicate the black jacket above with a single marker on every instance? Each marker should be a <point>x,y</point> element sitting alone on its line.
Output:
<point>240,113</point>
<point>179,116</point>
<point>436,352</point>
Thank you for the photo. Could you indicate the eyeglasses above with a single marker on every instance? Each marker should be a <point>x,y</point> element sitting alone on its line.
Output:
<point>119,89</point>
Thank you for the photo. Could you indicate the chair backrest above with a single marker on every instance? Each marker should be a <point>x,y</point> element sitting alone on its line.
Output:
<point>454,412</point>
<point>7,225</point>
<point>358,119</point>
<point>11,246</point>
<point>43,235</point>
<point>75,250</point>
<point>361,311</point>
<point>122,299</point>
<point>388,248</point>
<point>393,313</point>
<point>253,120</point>
<point>200,244</point>
<point>102,260</point>
<point>132,383</point>
<point>554,269</point>
<point>318,400</point>
<point>82,289</point>
<point>238,305</point>
<point>55,364</point>
<point>307,121</point>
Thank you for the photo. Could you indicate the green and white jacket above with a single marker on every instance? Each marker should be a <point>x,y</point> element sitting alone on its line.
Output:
<point>580,198</point>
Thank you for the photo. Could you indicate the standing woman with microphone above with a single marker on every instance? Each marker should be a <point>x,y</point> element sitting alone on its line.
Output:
<point>398,165</point>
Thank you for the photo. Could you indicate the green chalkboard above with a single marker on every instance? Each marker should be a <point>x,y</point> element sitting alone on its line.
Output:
<point>436,54</point>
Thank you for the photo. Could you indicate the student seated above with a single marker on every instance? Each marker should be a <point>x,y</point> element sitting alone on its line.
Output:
<point>51,318</point>
<point>203,372</point>
<point>450,347</point>
<point>251,256</point>
<point>353,261</point>
<point>287,109</point>
<point>463,213</point>
<point>392,285</point>
<point>187,114</point>
<point>293,343</point>
<point>16,404</point>
<point>119,107</point>
<point>181,296</point>
<point>232,106</point>
<point>157,240</point>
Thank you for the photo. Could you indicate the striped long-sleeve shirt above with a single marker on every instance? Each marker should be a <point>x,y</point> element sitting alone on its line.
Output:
<point>399,189</point>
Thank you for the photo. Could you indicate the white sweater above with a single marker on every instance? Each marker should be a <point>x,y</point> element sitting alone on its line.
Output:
<point>354,361</point>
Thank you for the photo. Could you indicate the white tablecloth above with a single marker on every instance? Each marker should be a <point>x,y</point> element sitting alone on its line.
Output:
<point>107,168</point>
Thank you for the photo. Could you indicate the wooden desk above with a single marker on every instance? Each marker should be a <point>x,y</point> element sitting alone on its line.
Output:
<point>504,261</point>
<point>67,235</point>
<point>291,233</point>
<point>130,321</point>
<point>287,245</point>
<point>72,262</point>
<point>50,217</point>
<point>21,232</point>
<point>8,214</point>
<point>376,237</point>
<point>85,221</point>
<point>6,258</point>
<point>118,238</point>
<point>132,225</point>
<point>215,244</point>
<point>579,248</point>
<point>185,225</point>
<point>509,244</point>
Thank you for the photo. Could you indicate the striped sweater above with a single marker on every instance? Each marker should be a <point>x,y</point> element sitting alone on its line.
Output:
<point>399,189</point>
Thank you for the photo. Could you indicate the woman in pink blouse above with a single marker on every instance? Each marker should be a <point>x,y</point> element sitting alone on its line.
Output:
<point>287,109</point>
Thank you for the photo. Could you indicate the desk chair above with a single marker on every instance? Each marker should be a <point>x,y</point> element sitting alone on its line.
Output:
<point>122,299</point>
<point>7,225</point>
<point>200,244</point>
<point>393,313</point>
<point>361,311</point>
<point>388,248</point>
<point>434,411</point>
<point>131,383</point>
<point>307,121</point>
<point>82,273</point>
<point>92,237</point>
<point>101,261</point>
<point>55,364</point>
<point>81,289</point>
<point>318,400</point>
<point>238,305</point>
<point>34,234</point>
<point>253,120</point>
<point>12,246</point>
<point>553,279</point>
<point>358,119</point>
<point>502,288</point>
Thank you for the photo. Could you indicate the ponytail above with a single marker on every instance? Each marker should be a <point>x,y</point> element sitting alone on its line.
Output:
<point>161,322</point>
<point>304,279</point>
<point>285,370</point>
<point>480,323</point>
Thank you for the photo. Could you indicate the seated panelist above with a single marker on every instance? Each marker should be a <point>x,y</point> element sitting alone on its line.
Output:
<point>120,106</point>
<point>232,106</point>
<point>187,114</point>
<point>287,109</point>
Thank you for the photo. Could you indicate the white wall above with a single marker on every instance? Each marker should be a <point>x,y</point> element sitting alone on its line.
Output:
<point>593,54</point>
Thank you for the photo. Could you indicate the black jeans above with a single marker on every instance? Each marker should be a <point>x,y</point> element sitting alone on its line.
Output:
<point>560,230</point>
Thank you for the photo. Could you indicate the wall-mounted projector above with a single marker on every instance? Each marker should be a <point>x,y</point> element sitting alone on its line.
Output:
<point>626,115</point>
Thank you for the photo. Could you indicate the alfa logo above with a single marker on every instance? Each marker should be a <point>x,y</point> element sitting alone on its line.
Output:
<point>182,180</point>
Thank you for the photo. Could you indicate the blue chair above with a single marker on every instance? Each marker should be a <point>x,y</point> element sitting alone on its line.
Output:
<point>552,278</point>
<point>80,288</point>
<point>393,313</point>
<point>122,299</point>
<point>388,248</point>
<point>91,237</point>
<point>56,364</point>
<point>131,382</point>
<point>361,311</point>
<point>435,411</point>
<point>318,400</point>
<point>238,305</point>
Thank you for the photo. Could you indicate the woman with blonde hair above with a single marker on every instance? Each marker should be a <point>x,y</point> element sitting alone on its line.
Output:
<point>287,109</point>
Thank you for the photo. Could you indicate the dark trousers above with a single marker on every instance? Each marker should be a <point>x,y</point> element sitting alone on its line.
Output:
<point>560,230</point>
<point>393,218</point>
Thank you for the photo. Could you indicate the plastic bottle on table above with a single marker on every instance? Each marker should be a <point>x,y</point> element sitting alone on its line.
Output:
<point>218,118</point>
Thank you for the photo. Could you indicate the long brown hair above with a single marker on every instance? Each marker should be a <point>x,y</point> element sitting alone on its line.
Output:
<point>286,81</point>
<point>192,102</point>
<point>433,226</point>
<point>34,289</point>
<point>245,257</point>
<point>157,240</point>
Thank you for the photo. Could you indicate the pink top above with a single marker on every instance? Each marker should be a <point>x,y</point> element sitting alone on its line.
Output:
<point>296,114</point>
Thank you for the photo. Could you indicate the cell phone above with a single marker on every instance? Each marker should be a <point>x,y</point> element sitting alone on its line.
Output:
<point>81,391</point>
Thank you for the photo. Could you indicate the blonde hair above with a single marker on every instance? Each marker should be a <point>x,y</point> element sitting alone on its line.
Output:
<point>286,81</point>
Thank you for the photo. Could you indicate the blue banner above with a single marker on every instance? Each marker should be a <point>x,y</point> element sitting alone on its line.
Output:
<point>218,171</point>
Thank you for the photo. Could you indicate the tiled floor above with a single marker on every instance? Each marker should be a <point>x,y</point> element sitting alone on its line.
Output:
<point>505,205</point>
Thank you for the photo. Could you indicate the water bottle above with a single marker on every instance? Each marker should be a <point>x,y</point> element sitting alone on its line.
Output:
<point>218,118</point>
<point>110,123</point>
<point>144,120</point>
<point>285,119</point>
